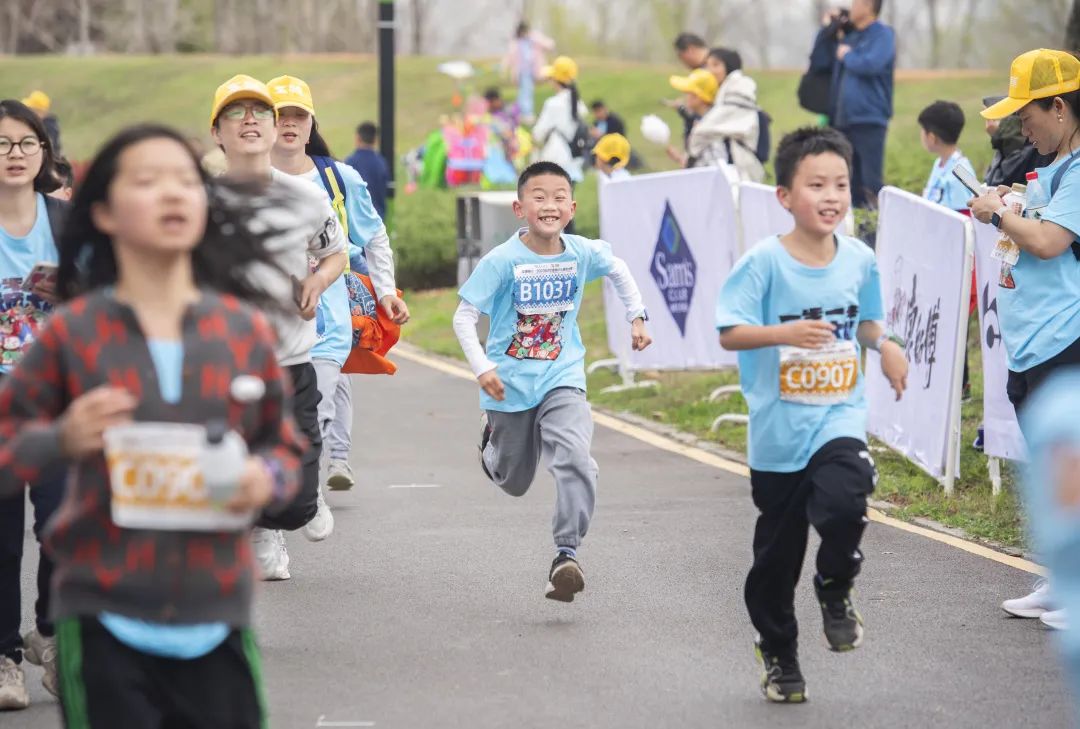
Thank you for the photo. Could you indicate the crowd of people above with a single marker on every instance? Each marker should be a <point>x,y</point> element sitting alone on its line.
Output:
<point>232,306</point>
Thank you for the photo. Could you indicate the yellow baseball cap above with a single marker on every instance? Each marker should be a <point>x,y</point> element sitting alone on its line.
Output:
<point>237,88</point>
<point>613,146</point>
<point>563,69</point>
<point>38,101</point>
<point>1039,74</point>
<point>700,83</point>
<point>291,91</point>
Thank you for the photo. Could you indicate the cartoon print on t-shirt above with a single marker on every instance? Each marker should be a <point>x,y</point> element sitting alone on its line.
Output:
<point>543,296</point>
<point>538,336</point>
<point>22,315</point>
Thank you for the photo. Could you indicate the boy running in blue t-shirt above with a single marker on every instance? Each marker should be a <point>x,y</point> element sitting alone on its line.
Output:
<point>798,307</point>
<point>532,375</point>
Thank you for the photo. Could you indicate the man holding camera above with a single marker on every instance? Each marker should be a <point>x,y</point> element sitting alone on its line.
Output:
<point>860,54</point>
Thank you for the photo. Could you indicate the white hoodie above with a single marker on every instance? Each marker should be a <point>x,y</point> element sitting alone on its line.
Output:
<point>731,123</point>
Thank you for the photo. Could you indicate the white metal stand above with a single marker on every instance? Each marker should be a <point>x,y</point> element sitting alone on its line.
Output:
<point>736,418</point>
<point>993,465</point>
<point>627,375</point>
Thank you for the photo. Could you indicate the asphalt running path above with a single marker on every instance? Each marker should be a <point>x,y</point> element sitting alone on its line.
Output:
<point>426,609</point>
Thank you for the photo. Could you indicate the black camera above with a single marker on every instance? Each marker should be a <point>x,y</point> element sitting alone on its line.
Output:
<point>840,23</point>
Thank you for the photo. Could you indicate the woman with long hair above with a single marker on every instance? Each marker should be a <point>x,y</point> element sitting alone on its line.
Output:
<point>560,117</point>
<point>159,337</point>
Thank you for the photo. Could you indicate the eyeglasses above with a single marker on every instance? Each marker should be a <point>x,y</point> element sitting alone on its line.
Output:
<point>237,112</point>
<point>29,146</point>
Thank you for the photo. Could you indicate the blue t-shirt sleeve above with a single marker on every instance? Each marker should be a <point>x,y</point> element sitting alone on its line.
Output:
<point>742,297</point>
<point>484,285</point>
<point>601,259</point>
<point>871,307</point>
<point>364,222</point>
<point>956,195</point>
<point>1064,207</point>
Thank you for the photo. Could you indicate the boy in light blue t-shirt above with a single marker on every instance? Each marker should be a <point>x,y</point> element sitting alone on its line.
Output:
<point>798,308</point>
<point>532,375</point>
<point>940,126</point>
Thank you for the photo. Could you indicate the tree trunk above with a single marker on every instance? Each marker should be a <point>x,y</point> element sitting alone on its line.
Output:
<point>1072,30</point>
<point>935,33</point>
<point>419,10</point>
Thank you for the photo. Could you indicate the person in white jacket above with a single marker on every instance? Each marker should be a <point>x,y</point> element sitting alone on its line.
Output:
<point>728,129</point>
<point>559,118</point>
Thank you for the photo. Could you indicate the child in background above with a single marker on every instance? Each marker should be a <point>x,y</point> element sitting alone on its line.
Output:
<point>532,376</point>
<point>612,155</point>
<point>152,622</point>
<point>67,180</point>
<point>940,126</point>
<point>792,306</point>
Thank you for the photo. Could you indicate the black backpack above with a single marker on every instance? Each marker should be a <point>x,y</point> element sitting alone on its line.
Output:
<point>581,143</point>
<point>764,140</point>
<point>814,90</point>
<point>57,211</point>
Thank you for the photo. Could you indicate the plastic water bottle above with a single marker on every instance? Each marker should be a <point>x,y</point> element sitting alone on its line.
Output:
<point>1037,197</point>
<point>222,461</point>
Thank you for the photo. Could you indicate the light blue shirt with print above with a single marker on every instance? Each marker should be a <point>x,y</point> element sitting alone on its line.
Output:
<point>533,302</point>
<point>333,317</point>
<point>21,313</point>
<point>769,287</point>
<point>943,188</point>
<point>1039,300</point>
<point>184,642</point>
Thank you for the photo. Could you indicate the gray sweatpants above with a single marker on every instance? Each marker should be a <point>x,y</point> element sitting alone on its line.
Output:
<point>560,429</point>
<point>335,409</point>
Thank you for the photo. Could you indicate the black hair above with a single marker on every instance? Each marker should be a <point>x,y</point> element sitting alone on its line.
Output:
<point>808,142</point>
<point>492,93</point>
<point>943,119</point>
<point>522,29</point>
<point>877,6</point>
<point>575,99</point>
<point>46,180</point>
<point>64,172</point>
<point>317,146</point>
<point>598,104</point>
<point>542,168</point>
<point>731,59</point>
<point>220,260</point>
<point>686,41</point>
<point>367,131</point>
<point>1071,100</point>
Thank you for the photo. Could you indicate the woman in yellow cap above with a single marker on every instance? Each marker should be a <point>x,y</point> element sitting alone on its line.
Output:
<point>558,131</point>
<point>1039,280</point>
<point>301,151</point>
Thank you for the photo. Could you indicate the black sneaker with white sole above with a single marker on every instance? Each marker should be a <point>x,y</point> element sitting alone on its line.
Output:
<point>565,579</point>
<point>485,438</point>
<point>781,680</point>
<point>842,622</point>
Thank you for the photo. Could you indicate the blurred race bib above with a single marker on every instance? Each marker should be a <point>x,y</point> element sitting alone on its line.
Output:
<point>819,376</point>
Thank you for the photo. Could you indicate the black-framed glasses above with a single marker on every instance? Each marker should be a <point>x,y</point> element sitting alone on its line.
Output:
<point>236,112</point>
<point>29,146</point>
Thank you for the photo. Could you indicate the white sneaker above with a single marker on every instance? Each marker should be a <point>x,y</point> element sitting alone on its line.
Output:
<point>322,524</point>
<point>41,651</point>
<point>1033,605</point>
<point>1055,619</point>
<point>270,553</point>
<point>13,694</point>
<point>339,475</point>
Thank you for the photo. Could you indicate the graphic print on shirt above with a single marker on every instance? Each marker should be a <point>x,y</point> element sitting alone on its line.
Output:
<point>543,295</point>
<point>825,376</point>
<point>1005,277</point>
<point>22,314</point>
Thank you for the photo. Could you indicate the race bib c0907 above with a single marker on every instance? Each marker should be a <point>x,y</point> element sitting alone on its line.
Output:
<point>545,288</point>
<point>819,376</point>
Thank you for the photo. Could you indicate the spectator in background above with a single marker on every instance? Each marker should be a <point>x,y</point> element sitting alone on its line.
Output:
<point>1014,155</point>
<point>371,165</point>
<point>860,53</point>
<point>66,175</point>
<point>693,52</point>
<point>557,125</point>
<point>40,102</point>
<point>524,62</point>
<point>605,121</point>
<point>612,152</point>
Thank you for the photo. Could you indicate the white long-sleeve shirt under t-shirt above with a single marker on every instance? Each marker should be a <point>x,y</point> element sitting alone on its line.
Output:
<point>467,317</point>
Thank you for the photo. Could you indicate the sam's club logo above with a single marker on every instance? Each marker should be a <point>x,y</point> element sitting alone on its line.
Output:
<point>673,268</point>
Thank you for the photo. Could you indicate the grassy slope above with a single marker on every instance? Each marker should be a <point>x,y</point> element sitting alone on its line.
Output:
<point>95,97</point>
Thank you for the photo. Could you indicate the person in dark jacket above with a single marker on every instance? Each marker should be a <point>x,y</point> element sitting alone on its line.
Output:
<point>1014,155</point>
<point>861,55</point>
<point>371,165</point>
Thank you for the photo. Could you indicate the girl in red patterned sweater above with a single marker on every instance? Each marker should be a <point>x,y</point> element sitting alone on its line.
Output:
<point>153,582</point>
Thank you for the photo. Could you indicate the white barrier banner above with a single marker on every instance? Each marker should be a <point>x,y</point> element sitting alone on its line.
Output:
<point>677,231</point>
<point>921,254</point>
<point>760,214</point>
<point>1001,431</point>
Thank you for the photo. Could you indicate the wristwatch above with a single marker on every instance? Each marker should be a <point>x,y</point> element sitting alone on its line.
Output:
<point>998,216</point>
<point>887,337</point>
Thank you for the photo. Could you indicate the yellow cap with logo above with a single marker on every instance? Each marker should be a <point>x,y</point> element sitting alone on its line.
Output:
<point>700,83</point>
<point>38,101</point>
<point>563,69</point>
<point>237,88</point>
<point>1038,74</point>
<point>291,91</point>
<point>613,146</point>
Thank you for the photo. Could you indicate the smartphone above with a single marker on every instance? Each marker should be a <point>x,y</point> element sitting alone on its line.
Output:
<point>40,273</point>
<point>967,179</point>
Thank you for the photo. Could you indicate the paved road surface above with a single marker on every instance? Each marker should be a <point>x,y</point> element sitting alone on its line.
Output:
<point>425,609</point>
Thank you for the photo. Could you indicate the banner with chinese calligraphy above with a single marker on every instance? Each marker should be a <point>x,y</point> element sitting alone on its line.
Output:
<point>921,254</point>
<point>1001,432</point>
<point>678,233</point>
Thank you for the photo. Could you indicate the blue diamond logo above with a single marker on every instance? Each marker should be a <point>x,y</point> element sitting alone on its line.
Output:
<point>673,268</point>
